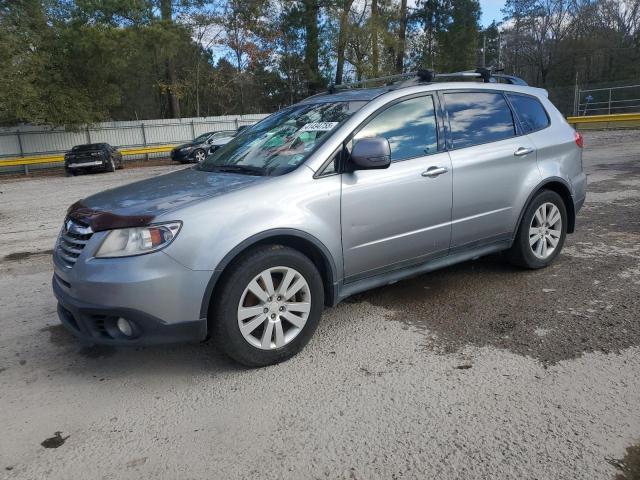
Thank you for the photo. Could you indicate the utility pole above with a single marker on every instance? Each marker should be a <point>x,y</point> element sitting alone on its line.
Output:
<point>499,49</point>
<point>576,98</point>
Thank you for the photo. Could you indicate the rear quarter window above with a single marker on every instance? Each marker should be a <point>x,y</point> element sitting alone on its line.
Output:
<point>530,112</point>
<point>478,117</point>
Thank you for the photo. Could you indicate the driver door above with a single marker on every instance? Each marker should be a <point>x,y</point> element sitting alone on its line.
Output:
<point>401,215</point>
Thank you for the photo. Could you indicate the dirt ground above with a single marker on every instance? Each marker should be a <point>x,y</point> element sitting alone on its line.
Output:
<point>480,370</point>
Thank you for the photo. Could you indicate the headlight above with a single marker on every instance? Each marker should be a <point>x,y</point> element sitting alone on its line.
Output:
<point>125,242</point>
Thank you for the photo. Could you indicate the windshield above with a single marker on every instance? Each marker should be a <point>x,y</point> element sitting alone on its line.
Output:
<point>282,141</point>
<point>202,138</point>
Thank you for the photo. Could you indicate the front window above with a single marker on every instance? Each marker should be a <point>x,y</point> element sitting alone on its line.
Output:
<point>409,126</point>
<point>282,141</point>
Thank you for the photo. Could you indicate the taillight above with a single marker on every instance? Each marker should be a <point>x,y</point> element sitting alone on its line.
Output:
<point>579,139</point>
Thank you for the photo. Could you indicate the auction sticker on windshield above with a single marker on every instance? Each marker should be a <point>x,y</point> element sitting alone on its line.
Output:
<point>318,126</point>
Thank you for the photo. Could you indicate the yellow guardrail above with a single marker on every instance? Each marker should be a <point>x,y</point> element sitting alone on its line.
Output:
<point>59,157</point>
<point>617,117</point>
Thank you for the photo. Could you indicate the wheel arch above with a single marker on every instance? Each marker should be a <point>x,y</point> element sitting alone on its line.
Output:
<point>559,186</point>
<point>305,243</point>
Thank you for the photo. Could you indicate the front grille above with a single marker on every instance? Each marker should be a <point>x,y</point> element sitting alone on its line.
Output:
<point>73,237</point>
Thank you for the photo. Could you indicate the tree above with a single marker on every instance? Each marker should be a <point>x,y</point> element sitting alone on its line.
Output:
<point>171,85</point>
<point>402,35</point>
<point>375,54</point>
<point>343,36</point>
<point>312,44</point>
<point>457,43</point>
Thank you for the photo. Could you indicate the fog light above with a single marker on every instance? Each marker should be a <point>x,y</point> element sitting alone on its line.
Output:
<point>125,327</point>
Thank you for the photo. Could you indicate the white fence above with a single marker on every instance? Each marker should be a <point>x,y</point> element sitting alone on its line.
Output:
<point>35,140</point>
<point>605,101</point>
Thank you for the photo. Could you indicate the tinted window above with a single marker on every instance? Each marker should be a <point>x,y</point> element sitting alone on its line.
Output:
<point>478,117</point>
<point>410,127</point>
<point>530,112</point>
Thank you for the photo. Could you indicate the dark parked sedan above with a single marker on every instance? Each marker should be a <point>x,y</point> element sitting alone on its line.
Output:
<point>92,157</point>
<point>197,150</point>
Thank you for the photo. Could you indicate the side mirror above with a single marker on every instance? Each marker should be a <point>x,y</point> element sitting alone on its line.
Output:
<point>371,153</point>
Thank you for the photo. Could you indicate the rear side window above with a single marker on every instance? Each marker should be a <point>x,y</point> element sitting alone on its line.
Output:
<point>478,117</point>
<point>530,112</point>
<point>410,127</point>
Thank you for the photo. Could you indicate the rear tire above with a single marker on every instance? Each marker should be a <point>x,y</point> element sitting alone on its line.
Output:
<point>275,327</point>
<point>541,233</point>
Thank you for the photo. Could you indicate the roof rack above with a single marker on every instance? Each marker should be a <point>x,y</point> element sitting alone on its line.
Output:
<point>429,76</point>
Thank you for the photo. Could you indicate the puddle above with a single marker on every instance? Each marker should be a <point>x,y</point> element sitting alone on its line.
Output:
<point>17,256</point>
<point>581,303</point>
<point>629,466</point>
<point>54,442</point>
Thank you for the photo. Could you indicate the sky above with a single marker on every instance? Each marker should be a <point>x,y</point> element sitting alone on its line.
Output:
<point>490,11</point>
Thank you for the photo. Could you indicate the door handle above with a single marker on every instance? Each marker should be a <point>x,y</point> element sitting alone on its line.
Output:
<point>522,151</point>
<point>433,172</point>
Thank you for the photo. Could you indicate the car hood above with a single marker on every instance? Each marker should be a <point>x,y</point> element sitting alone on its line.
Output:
<point>139,203</point>
<point>178,147</point>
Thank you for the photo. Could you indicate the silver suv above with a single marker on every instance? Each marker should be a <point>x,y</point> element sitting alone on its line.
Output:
<point>343,192</point>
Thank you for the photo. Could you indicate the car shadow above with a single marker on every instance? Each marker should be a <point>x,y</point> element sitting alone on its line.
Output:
<point>101,360</point>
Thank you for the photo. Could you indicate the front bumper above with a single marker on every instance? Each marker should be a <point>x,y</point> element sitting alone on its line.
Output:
<point>178,156</point>
<point>96,324</point>
<point>158,295</point>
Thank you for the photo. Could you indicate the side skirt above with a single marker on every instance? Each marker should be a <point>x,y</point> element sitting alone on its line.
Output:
<point>346,290</point>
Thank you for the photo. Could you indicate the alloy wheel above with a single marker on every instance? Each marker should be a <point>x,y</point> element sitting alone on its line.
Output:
<point>199,156</point>
<point>274,308</point>
<point>545,230</point>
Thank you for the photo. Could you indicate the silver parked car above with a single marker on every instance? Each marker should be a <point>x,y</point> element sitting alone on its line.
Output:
<point>343,192</point>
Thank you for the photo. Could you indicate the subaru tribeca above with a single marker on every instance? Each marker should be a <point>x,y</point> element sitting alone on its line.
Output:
<point>343,192</point>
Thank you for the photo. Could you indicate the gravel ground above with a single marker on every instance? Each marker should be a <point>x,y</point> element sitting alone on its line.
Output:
<point>476,371</point>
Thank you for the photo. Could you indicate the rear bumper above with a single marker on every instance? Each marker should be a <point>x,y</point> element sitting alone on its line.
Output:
<point>96,324</point>
<point>579,184</point>
<point>578,203</point>
<point>93,163</point>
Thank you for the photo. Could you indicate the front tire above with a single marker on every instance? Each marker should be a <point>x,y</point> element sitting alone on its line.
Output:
<point>111,166</point>
<point>268,307</point>
<point>199,155</point>
<point>541,233</point>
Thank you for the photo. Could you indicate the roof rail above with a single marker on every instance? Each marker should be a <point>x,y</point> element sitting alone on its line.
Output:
<point>428,76</point>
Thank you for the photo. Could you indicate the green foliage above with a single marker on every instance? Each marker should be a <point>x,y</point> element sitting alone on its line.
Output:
<point>72,62</point>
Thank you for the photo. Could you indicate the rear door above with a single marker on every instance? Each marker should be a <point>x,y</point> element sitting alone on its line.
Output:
<point>494,167</point>
<point>400,215</point>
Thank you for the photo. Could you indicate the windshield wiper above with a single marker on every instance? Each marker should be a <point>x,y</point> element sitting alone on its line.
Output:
<point>242,169</point>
